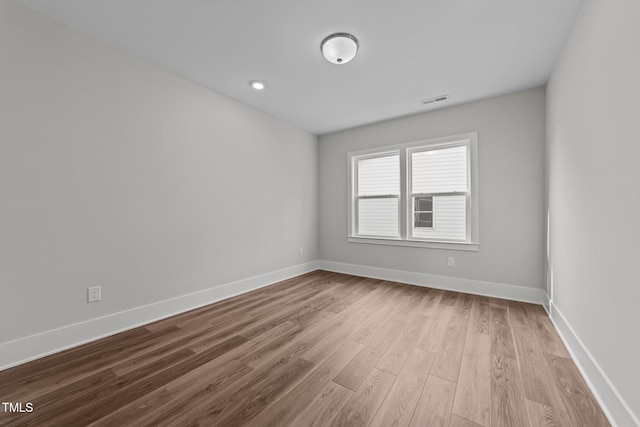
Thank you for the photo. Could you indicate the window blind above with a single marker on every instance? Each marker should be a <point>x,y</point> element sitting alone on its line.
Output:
<point>442,174</point>
<point>439,171</point>
<point>378,217</point>
<point>378,195</point>
<point>379,176</point>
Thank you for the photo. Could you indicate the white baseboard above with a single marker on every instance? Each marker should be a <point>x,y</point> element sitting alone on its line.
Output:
<point>478,287</point>
<point>22,350</point>
<point>613,405</point>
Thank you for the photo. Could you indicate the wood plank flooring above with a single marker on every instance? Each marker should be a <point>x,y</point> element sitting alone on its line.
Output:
<point>322,349</point>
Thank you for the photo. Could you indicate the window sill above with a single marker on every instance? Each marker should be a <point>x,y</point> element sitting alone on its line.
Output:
<point>453,246</point>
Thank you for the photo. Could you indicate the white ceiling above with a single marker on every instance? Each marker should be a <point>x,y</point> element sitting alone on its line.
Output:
<point>410,50</point>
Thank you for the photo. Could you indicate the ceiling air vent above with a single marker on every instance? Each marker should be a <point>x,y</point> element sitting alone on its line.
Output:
<point>435,99</point>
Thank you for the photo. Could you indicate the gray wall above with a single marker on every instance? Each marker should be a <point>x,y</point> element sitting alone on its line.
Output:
<point>593,148</point>
<point>115,172</point>
<point>511,179</point>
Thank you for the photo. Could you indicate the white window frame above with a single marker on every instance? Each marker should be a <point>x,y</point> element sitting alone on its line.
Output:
<point>472,241</point>
<point>357,198</point>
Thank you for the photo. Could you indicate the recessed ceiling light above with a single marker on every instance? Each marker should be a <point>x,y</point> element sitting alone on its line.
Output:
<point>339,48</point>
<point>257,85</point>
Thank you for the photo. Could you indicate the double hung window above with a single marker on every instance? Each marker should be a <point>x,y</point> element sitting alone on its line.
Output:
<point>417,194</point>
<point>378,195</point>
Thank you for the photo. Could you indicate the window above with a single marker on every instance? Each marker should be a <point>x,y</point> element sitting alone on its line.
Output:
<point>378,195</point>
<point>417,194</point>
<point>439,179</point>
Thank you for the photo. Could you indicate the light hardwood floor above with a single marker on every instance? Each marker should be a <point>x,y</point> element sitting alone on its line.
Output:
<point>322,349</point>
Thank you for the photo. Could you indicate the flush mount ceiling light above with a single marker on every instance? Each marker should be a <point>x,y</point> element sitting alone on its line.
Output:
<point>257,85</point>
<point>339,48</point>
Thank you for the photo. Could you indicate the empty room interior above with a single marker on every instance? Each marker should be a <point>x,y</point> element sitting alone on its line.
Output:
<point>338,213</point>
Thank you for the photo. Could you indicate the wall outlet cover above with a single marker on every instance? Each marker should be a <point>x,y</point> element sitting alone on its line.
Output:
<point>94,293</point>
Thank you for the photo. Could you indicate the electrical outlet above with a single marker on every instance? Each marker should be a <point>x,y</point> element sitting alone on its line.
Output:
<point>94,293</point>
<point>301,251</point>
<point>451,262</point>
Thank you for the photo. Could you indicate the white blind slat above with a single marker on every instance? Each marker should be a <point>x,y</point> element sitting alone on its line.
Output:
<point>439,171</point>
<point>449,219</point>
<point>378,217</point>
<point>379,176</point>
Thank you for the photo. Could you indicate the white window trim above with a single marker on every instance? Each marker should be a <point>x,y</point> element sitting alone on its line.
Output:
<point>473,242</point>
<point>354,205</point>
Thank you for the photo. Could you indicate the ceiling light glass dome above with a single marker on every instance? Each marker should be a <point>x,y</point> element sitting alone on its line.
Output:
<point>339,48</point>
